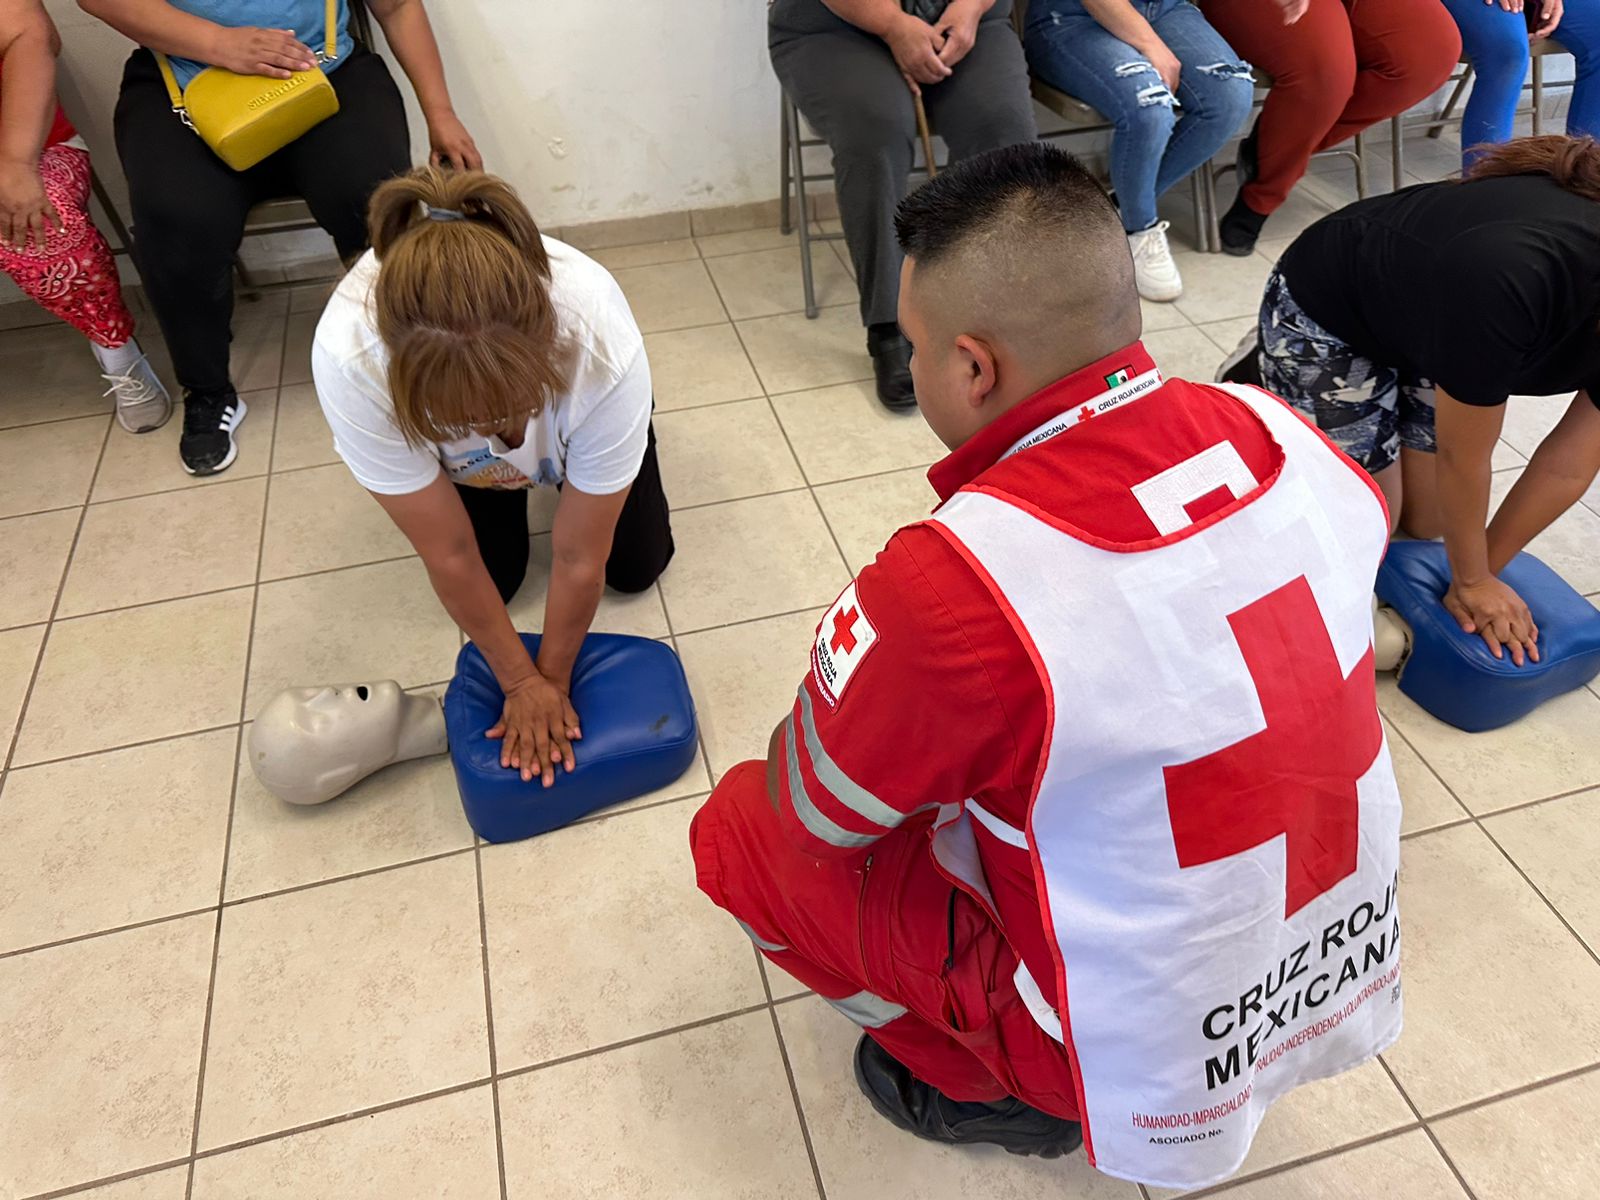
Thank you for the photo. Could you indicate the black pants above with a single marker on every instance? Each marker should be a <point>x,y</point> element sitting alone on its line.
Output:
<point>189,207</point>
<point>641,547</point>
<point>846,84</point>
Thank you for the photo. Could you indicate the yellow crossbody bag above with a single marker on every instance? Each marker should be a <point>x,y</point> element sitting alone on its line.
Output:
<point>245,118</point>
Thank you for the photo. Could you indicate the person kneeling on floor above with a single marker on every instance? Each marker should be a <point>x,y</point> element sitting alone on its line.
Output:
<point>1087,765</point>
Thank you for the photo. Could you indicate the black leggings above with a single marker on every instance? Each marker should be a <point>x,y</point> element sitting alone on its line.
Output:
<point>641,547</point>
<point>189,207</point>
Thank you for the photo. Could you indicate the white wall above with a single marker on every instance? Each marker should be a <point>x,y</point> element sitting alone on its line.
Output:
<point>594,109</point>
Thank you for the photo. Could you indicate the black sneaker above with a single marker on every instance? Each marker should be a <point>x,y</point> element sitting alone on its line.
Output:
<point>891,367</point>
<point>1240,227</point>
<point>922,1109</point>
<point>209,419</point>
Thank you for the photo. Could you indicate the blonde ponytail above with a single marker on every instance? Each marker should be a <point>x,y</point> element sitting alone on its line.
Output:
<point>462,301</point>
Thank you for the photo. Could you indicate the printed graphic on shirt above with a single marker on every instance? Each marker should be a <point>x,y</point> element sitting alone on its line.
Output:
<point>843,641</point>
<point>479,467</point>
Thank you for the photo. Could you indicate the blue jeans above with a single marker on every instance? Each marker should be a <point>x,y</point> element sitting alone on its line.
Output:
<point>1495,42</point>
<point>1158,138</point>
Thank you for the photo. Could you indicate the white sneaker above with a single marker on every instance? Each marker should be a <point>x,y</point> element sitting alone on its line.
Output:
<point>1154,272</point>
<point>143,403</point>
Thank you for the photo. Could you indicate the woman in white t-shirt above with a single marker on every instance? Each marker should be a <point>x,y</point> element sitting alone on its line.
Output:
<point>463,360</point>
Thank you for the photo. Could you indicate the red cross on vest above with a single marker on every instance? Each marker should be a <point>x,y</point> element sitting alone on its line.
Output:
<point>1085,413</point>
<point>1297,777</point>
<point>844,635</point>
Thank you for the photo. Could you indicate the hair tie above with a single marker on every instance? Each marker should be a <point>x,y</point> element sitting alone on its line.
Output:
<point>444,214</point>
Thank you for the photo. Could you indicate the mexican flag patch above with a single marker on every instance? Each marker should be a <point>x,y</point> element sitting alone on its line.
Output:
<point>1120,375</point>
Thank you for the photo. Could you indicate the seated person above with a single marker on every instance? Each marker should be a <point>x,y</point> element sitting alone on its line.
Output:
<point>1402,324</point>
<point>852,67</point>
<point>463,360</point>
<point>48,242</point>
<point>1494,39</point>
<point>189,207</point>
<point>1094,747</point>
<point>1337,66</point>
<point>1171,86</point>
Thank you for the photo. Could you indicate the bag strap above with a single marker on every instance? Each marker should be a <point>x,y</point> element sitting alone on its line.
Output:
<point>330,52</point>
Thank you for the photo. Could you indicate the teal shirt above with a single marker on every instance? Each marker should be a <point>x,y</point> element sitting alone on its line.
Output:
<point>305,17</point>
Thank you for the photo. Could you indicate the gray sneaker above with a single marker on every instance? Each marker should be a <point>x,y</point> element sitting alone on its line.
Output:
<point>143,403</point>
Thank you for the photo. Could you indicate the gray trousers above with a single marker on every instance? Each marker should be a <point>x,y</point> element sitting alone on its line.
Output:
<point>846,84</point>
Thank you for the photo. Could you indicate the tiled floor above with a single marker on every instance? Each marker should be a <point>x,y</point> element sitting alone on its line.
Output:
<point>205,992</point>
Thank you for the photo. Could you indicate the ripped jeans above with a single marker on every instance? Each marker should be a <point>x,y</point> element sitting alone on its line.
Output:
<point>1159,138</point>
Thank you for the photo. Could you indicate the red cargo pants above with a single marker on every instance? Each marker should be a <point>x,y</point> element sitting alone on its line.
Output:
<point>887,940</point>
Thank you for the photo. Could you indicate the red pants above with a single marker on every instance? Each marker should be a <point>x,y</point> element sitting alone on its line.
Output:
<point>1345,65</point>
<point>73,277</point>
<point>887,940</point>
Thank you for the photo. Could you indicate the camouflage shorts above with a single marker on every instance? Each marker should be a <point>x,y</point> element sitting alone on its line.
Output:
<point>1369,411</point>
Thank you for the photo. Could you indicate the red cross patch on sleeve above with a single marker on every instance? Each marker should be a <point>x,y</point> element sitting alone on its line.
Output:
<point>844,639</point>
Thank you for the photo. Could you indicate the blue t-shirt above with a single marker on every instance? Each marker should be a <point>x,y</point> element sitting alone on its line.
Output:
<point>305,17</point>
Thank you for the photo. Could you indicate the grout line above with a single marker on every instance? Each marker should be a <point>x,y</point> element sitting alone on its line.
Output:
<point>233,791</point>
<point>1476,820</point>
<point>77,1189</point>
<point>794,1094</point>
<point>632,1041</point>
<point>1432,1137</point>
<point>1512,1094</point>
<point>150,741</point>
<point>1238,1181</point>
<point>84,937</point>
<point>237,901</point>
<point>488,1015</point>
<point>61,587</point>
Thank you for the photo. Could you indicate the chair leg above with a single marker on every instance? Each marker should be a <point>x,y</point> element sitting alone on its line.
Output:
<point>1202,211</point>
<point>802,209</point>
<point>1444,113</point>
<point>1538,95</point>
<point>1213,213</point>
<point>785,219</point>
<point>1361,165</point>
<point>1397,152</point>
<point>124,239</point>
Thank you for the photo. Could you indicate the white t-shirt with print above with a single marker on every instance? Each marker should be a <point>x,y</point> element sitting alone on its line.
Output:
<point>592,435</point>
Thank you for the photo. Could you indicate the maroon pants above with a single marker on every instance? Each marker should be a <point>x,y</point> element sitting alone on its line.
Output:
<point>1344,65</point>
<point>887,940</point>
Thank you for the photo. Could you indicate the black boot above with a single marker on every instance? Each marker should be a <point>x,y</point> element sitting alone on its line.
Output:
<point>891,366</point>
<point>922,1109</point>
<point>1240,227</point>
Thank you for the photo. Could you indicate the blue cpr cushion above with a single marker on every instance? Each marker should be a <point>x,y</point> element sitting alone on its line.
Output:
<point>638,735</point>
<point>1452,674</point>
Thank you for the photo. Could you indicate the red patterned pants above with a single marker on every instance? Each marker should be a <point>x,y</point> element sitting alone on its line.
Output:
<point>73,276</point>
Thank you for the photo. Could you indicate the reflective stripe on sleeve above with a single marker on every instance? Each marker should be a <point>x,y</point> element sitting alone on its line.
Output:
<point>848,792</point>
<point>817,823</point>
<point>867,1010</point>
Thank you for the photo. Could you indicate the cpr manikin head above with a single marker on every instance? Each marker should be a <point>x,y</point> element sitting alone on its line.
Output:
<point>309,744</point>
<point>1017,273</point>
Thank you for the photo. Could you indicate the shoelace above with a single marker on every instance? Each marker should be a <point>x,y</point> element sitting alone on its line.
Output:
<point>1154,249</point>
<point>130,388</point>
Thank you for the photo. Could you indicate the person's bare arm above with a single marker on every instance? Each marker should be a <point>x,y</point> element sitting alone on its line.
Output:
<point>1556,477</point>
<point>1479,601</point>
<point>28,47</point>
<point>534,727</point>
<point>245,50</point>
<point>580,544</point>
<point>1122,21</point>
<point>410,36</point>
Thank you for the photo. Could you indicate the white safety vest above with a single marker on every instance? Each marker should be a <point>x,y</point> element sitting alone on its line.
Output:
<point>1215,822</point>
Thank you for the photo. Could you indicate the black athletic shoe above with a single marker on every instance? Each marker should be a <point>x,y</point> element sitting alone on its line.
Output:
<point>891,366</point>
<point>1240,227</point>
<point>922,1109</point>
<point>209,419</point>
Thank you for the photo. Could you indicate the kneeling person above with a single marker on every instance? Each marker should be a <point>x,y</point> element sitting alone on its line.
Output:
<point>1088,765</point>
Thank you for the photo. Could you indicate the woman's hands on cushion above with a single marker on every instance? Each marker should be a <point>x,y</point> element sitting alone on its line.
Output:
<point>537,728</point>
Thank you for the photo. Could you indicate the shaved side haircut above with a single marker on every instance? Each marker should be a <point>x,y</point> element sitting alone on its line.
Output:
<point>1021,246</point>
